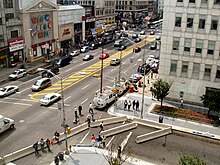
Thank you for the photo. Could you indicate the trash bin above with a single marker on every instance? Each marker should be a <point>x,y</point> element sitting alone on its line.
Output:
<point>161,119</point>
<point>61,156</point>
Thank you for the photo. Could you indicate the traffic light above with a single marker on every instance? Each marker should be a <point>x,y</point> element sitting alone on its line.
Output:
<point>68,130</point>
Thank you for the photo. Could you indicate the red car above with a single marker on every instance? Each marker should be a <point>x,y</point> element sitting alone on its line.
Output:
<point>104,55</point>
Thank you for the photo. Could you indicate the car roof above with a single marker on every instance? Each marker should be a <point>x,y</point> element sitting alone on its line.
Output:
<point>50,94</point>
<point>43,79</point>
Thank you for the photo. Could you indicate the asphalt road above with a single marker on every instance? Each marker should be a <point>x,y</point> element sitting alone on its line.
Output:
<point>33,121</point>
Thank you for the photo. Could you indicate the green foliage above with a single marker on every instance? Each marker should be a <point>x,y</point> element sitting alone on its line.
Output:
<point>191,160</point>
<point>211,100</point>
<point>160,89</point>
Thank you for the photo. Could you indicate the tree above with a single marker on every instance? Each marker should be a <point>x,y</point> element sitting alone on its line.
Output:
<point>211,100</point>
<point>191,160</point>
<point>160,89</point>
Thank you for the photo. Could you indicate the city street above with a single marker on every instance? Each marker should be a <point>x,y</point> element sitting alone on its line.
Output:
<point>33,121</point>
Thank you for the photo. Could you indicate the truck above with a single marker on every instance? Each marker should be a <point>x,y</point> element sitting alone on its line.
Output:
<point>102,100</point>
<point>6,123</point>
<point>121,87</point>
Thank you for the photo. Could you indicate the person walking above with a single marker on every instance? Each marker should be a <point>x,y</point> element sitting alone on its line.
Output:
<point>56,160</point>
<point>148,80</point>
<point>93,140</point>
<point>133,104</point>
<point>35,146</point>
<point>125,105</point>
<point>129,105</point>
<point>90,108</point>
<point>119,152</point>
<point>42,144</point>
<point>98,141</point>
<point>103,141</point>
<point>76,116</point>
<point>80,110</point>
<point>181,103</point>
<point>101,127</point>
<point>57,136</point>
<point>48,144</point>
<point>137,105</point>
<point>88,120</point>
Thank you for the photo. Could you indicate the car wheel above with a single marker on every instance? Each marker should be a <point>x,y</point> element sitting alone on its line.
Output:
<point>12,126</point>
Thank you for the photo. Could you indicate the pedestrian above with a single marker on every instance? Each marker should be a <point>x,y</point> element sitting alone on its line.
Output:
<point>42,144</point>
<point>137,105</point>
<point>90,108</point>
<point>98,141</point>
<point>35,146</point>
<point>148,80</point>
<point>93,140</point>
<point>129,105</point>
<point>88,120</point>
<point>119,152</point>
<point>80,110</point>
<point>56,160</point>
<point>103,141</point>
<point>101,127</point>
<point>181,103</point>
<point>93,119</point>
<point>76,116</point>
<point>57,136</point>
<point>152,75</point>
<point>48,144</point>
<point>133,104</point>
<point>125,105</point>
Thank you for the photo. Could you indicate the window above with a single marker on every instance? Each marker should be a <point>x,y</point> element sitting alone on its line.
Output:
<point>207,73</point>
<point>199,46</point>
<point>217,2</point>
<point>8,3</point>
<point>201,23</point>
<point>204,1</point>
<point>218,73</point>
<point>189,22</point>
<point>176,44</point>
<point>187,45</point>
<point>130,2</point>
<point>0,21</point>
<point>211,47</point>
<point>184,70</point>
<point>178,22</point>
<point>9,16</point>
<point>179,0</point>
<point>214,25</point>
<point>93,3</point>
<point>173,67</point>
<point>14,34</point>
<point>196,70</point>
<point>191,1</point>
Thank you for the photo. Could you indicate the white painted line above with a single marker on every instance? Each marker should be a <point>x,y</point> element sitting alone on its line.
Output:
<point>11,98</point>
<point>84,138</point>
<point>67,105</point>
<point>6,102</point>
<point>123,122</point>
<point>83,63</point>
<point>125,141</point>
<point>135,64</point>
<point>67,98</point>
<point>123,63</point>
<point>23,90</point>
<point>85,86</point>
<point>125,71</point>
<point>112,70</point>
<point>52,107</point>
<point>100,116</point>
<point>110,142</point>
<point>23,104</point>
<point>84,101</point>
<point>68,70</point>
<point>29,80</point>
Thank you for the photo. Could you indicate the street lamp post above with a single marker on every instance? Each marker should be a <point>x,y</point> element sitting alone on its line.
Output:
<point>64,125</point>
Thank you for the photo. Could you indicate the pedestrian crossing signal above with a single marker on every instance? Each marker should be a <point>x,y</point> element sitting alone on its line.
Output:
<point>68,130</point>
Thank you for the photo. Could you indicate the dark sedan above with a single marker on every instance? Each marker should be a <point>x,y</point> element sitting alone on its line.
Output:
<point>115,61</point>
<point>137,49</point>
<point>123,47</point>
<point>88,57</point>
<point>137,40</point>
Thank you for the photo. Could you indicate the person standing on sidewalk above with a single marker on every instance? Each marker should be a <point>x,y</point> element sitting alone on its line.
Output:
<point>137,105</point>
<point>133,104</point>
<point>35,146</point>
<point>90,108</point>
<point>125,105</point>
<point>42,143</point>
<point>129,105</point>
<point>93,140</point>
<point>181,103</point>
<point>48,144</point>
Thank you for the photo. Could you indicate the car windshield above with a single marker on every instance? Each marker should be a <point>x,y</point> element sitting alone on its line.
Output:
<point>46,98</point>
<point>15,72</point>
<point>37,83</point>
<point>86,56</point>
<point>3,89</point>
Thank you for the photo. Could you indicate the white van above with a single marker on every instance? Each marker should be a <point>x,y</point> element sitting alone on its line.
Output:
<point>41,84</point>
<point>101,100</point>
<point>6,123</point>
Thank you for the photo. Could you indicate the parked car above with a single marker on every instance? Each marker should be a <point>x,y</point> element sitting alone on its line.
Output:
<point>137,40</point>
<point>84,49</point>
<point>50,99</point>
<point>41,84</point>
<point>142,32</point>
<point>10,89</point>
<point>137,49</point>
<point>115,61</point>
<point>118,43</point>
<point>158,38</point>
<point>75,53</point>
<point>125,34</point>
<point>123,47</point>
<point>63,61</point>
<point>152,32</point>
<point>88,57</point>
<point>135,36</point>
<point>104,55</point>
<point>93,46</point>
<point>153,46</point>
<point>17,74</point>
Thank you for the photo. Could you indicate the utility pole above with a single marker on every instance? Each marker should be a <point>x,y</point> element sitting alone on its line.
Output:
<point>119,70</point>
<point>101,70</point>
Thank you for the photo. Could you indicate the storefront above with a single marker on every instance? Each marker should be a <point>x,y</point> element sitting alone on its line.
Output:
<point>3,57</point>
<point>65,37</point>
<point>78,37</point>
<point>90,26</point>
<point>100,27</point>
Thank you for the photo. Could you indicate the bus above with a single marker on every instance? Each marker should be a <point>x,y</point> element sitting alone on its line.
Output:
<point>155,24</point>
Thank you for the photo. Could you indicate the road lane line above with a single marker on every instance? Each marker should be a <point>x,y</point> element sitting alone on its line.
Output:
<point>135,64</point>
<point>123,63</point>
<point>110,142</point>
<point>67,98</point>
<point>84,101</point>
<point>52,107</point>
<point>85,86</point>
<point>23,104</point>
<point>6,102</point>
<point>112,70</point>
<point>125,71</point>
<point>125,141</point>
<point>68,70</point>
<point>24,90</point>
<point>100,116</point>
<point>84,138</point>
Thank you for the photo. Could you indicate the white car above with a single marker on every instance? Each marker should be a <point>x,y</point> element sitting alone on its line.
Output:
<point>50,98</point>
<point>8,90</point>
<point>75,53</point>
<point>17,74</point>
<point>84,49</point>
<point>142,32</point>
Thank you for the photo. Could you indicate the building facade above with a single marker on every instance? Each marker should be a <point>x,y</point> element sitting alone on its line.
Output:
<point>190,48</point>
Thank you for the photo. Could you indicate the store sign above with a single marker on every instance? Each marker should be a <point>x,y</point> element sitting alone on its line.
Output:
<point>66,32</point>
<point>90,19</point>
<point>16,44</point>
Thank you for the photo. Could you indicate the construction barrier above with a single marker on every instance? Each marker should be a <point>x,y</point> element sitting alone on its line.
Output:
<point>153,135</point>
<point>118,129</point>
<point>108,121</point>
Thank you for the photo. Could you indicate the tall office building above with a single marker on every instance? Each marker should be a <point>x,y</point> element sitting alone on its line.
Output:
<point>190,49</point>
